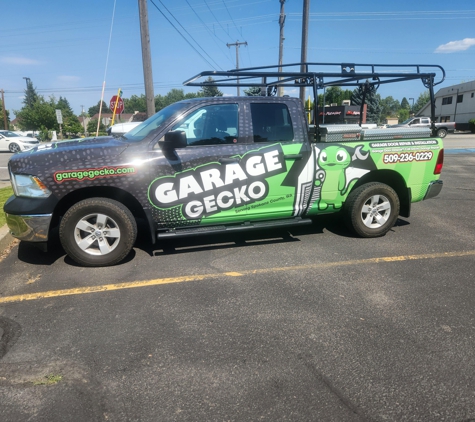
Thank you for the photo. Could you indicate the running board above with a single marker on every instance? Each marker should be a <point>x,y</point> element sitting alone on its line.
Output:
<point>256,225</point>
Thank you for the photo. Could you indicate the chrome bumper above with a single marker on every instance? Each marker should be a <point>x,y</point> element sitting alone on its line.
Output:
<point>30,228</point>
<point>434,189</point>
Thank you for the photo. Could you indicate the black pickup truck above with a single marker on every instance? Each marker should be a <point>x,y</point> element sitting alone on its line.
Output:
<point>224,164</point>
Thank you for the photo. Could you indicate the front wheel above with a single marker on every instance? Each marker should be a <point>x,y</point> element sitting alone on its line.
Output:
<point>98,232</point>
<point>13,147</point>
<point>371,210</point>
<point>442,133</point>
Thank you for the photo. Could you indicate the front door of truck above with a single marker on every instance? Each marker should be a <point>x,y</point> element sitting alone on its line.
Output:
<point>203,183</point>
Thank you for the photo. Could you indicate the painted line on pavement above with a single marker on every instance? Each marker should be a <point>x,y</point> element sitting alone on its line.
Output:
<point>184,279</point>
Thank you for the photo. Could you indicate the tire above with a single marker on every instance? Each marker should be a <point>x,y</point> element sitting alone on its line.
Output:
<point>372,209</point>
<point>98,232</point>
<point>13,147</point>
<point>442,133</point>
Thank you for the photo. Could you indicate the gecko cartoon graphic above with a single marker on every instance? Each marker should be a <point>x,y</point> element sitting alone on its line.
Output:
<point>339,174</point>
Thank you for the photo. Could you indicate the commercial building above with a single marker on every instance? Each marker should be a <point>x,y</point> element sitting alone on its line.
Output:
<point>454,103</point>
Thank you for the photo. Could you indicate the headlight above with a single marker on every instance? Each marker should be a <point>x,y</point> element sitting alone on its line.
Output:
<point>29,186</point>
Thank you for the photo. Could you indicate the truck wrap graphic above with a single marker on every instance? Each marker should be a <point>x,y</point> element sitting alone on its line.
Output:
<point>281,180</point>
<point>215,187</point>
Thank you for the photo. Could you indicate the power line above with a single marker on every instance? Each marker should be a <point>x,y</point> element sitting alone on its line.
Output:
<point>227,10</point>
<point>176,29</point>
<point>189,34</point>
<point>216,18</point>
<point>213,35</point>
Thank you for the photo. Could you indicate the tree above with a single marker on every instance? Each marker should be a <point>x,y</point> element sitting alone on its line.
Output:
<point>1,116</point>
<point>92,126</point>
<point>95,109</point>
<point>71,124</point>
<point>334,95</point>
<point>39,114</point>
<point>30,94</point>
<point>253,91</point>
<point>135,103</point>
<point>63,105</point>
<point>405,103</point>
<point>373,111</point>
<point>210,90</point>
<point>403,114</point>
<point>389,107</point>
<point>423,99</point>
<point>173,96</point>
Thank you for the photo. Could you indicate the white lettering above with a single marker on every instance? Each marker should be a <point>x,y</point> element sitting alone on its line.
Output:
<point>210,203</point>
<point>272,160</point>
<point>194,209</point>
<point>261,190</point>
<point>211,177</point>
<point>239,194</point>
<point>165,193</point>
<point>254,167</point>
<point>225,204</point>
<point>189,185</point>
<point>233,171</point>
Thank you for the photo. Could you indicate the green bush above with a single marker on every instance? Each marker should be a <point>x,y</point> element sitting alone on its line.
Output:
<point>5,193</point>
<point>471,125</point>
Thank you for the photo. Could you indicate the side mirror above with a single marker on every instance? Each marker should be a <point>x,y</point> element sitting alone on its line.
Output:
<point>174,139</point>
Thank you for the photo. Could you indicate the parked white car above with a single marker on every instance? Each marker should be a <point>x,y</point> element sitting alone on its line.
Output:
<point>121,128</point>
<point>11,141</point>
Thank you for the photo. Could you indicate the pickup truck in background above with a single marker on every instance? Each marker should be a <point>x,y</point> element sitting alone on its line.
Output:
<point>442,128</point>
<point>222,165</point>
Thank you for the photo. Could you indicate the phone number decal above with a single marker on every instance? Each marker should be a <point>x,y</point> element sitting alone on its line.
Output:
<point>407,157</point>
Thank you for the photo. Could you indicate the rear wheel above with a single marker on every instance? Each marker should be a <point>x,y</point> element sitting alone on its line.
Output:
<point>371,209</point>
<point>98,232</point>
<point>442,133</point>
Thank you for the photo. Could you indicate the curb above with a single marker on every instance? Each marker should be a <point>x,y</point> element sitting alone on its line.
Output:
<point>5,238</point>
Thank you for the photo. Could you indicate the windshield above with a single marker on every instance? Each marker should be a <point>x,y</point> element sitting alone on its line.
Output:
<point>152,123</point>
<point>406,122</point>
<point>9,134</point>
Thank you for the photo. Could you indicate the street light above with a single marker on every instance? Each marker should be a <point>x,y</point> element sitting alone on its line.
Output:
<point>412,104</point>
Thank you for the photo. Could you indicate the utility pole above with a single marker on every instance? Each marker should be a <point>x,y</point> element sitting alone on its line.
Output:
<point>146,58</point>
<point>306,7</point>
<point>237,44</point>
<point>5,122</point>
<point>280,90</point>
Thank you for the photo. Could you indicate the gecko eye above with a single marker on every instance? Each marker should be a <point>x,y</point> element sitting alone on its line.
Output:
<point>323,156</point>
<point>341,156</point>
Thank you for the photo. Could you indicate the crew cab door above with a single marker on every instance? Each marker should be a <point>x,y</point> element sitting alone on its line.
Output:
<point>290,157</point>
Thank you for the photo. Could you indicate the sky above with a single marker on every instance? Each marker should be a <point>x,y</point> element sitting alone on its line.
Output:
<point>70,48</point>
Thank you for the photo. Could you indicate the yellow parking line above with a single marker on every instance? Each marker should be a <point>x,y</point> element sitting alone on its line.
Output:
<point>158,281</point>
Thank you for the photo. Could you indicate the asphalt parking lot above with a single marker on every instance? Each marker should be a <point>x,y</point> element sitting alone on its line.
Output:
<point>302,325</point>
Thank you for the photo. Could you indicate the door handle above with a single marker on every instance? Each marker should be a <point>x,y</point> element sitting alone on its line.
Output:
<point>228,160</point>
<point>293,156</point>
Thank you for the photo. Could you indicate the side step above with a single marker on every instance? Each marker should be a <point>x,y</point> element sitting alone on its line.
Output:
<point>247,226</point>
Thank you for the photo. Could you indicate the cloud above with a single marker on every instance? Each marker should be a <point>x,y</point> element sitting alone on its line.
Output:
<point>23,61</point>
<point>453,46</point>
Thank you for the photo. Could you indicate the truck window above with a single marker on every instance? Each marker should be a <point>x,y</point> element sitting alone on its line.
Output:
<point>211,125</point>
<point>271,123</point>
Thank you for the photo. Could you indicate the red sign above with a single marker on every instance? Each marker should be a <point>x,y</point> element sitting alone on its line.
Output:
<point>120,105</point>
